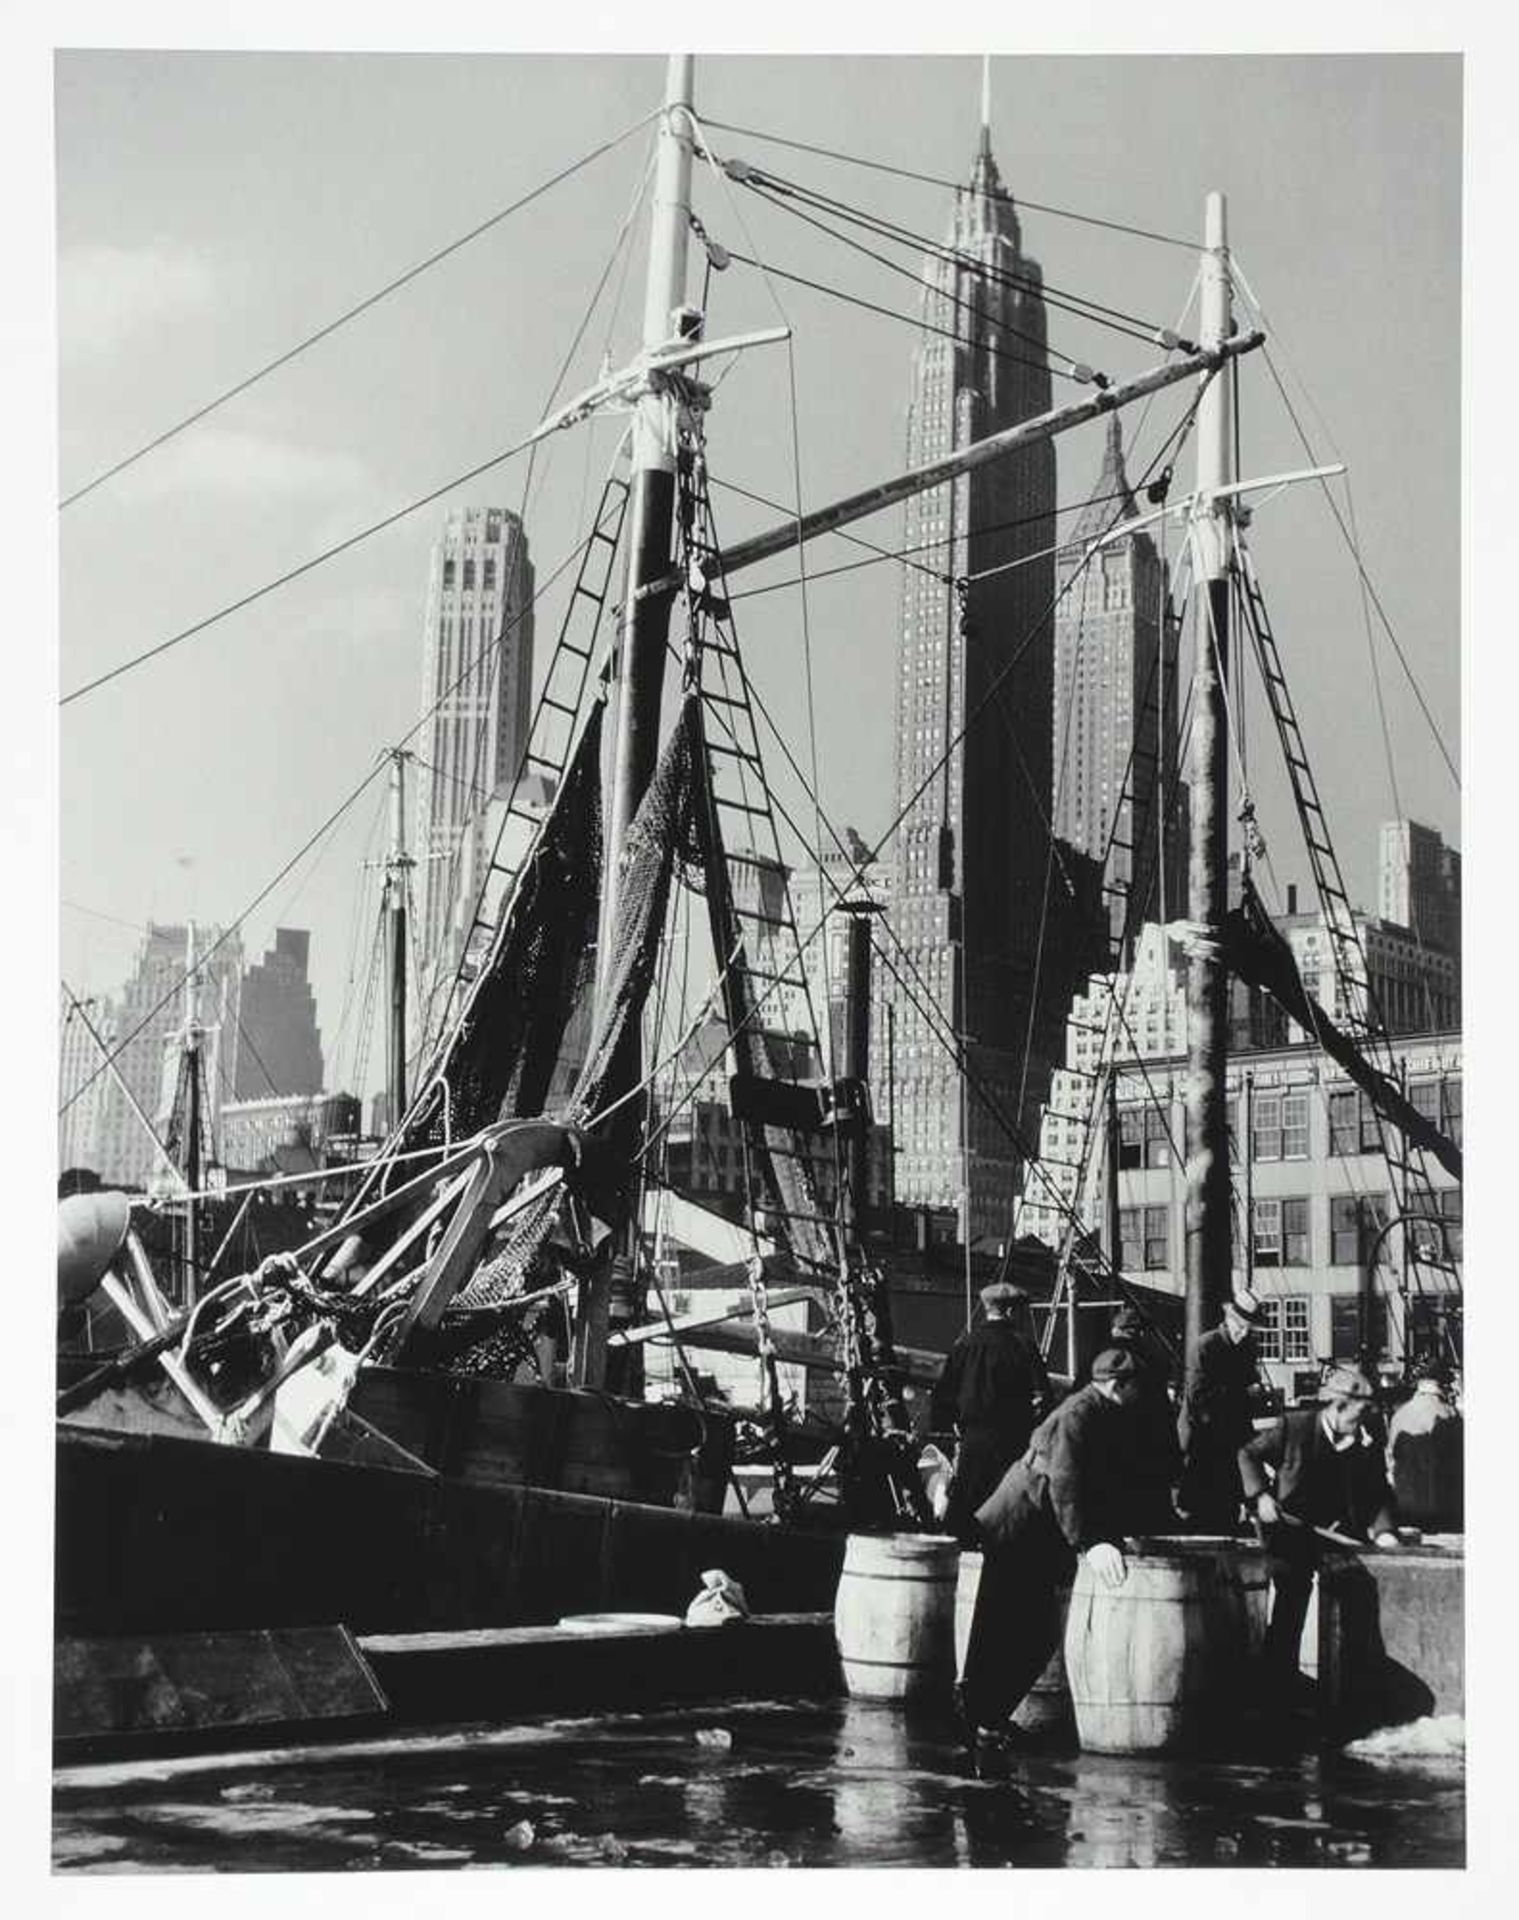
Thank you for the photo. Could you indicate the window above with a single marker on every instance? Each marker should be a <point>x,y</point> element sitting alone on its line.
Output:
<point>1130,1137</point>
<point>1280,1237</point>
<point>1296,1344</point>
<point>1294,1126</point>
<point>1358,1326</point>
<point>1157,1138</point>
<point>1144,1238</point>
<point>469,573</point>
<point>1344,1123</point>
<point>1266,1127</point>
<point>1436,1242</point>
<point>1354,1220</point>
<point>1268,1330</point>
<point>1450,1104</point>
<point>448,573</point>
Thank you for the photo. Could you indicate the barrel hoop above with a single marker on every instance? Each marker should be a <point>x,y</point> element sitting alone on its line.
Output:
<point>859,1660</point>
<point>913,1579</point>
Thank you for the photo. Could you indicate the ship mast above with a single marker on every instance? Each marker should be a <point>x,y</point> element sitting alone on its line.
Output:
<point>640,665</point>
<point>1208,1230</point>
<point>398,865</point>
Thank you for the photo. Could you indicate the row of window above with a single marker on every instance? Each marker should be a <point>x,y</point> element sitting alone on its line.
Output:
<point>1281,1232</point>
<point>1279,1123</point>
<point>488,580</point>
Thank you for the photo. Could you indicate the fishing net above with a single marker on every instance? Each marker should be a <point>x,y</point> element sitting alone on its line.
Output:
<point>499,1061</point>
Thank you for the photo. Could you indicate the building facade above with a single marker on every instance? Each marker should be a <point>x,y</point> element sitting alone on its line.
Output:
<point>1416,988</point>
<point>150,1016</point>
<point>1320,1191</point>
<point>81,1086</point>
<point>972,853</point>
<point>279,1043</point>
<point>1419,884</point>
<point>1117,795</point>
<point>254,1131</point>
<point>476,698</point>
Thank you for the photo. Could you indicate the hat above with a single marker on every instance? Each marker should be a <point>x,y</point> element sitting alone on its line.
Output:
<point>1002,1293</point>
<point>1114,1363</point>
<point>1345,1383</point>
<point>1243,1302</point>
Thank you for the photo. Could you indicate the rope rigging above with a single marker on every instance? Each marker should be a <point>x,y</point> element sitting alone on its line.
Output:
<point>954,186</point>
<point>1078,306</point>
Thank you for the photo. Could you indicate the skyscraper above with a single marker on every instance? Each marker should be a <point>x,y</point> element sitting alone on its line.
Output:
<point>1114,744</point>
<point>280,1046</point>
<point>476,695</point>
<point>150,1012</point>
<point>1420,884</point>
<point>81,1089</point>
<point>973,850</point>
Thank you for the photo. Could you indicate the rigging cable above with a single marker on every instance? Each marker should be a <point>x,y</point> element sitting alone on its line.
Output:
<point>1351,544</point>
<point>955,186</point>
<point>1078,305</point>
<point>362,306</point>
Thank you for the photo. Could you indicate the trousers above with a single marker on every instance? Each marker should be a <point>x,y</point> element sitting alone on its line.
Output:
<point>1293,1555</point>
<point>1016,1625</point>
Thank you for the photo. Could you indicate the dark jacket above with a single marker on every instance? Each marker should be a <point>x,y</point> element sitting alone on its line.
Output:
<point>993,1379</point>
<point>1074,1478</point>
<point>1315,1484</point>
<point>1222,1388</point>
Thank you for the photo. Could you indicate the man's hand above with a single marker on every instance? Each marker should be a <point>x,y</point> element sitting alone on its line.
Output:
<point>1267,1511</point>
<point>1387,1540</point>
<point>1107,1563</point>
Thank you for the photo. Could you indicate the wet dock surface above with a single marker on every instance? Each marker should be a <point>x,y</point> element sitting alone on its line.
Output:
<point>746,1784</point>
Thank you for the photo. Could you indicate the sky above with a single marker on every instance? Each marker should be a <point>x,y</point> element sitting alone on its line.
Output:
<point>214,209</point>
<point>173,221</point>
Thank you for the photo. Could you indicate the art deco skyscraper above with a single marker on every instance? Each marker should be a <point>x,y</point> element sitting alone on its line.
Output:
<point>1116,796</point>
<point>476,693</point>
<point>973,849</point>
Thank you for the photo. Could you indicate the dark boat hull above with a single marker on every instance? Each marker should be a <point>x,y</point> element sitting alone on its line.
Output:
<point>161,1534</point>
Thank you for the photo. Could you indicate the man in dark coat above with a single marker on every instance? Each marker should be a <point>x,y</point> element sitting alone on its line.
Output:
<point>1069,1494</point>
<point>1157,1456</point>
<point>1221,1392</point>
<point>992,1390</point>
<point>1329,1473</point>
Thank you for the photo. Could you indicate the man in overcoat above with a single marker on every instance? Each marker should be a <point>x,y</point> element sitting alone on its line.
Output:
<point>1071,1493</point>
<point>1157,1456</point>
<point>1221,1392</point>
<point>1318,1468</point>
<point>992,1391</point>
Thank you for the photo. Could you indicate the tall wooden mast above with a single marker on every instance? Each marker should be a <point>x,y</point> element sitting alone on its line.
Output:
<point>645,623</point>
<point>397,866</point>
<point>1208,1242</point>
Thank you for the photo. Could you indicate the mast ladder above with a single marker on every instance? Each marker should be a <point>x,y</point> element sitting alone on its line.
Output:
<point>1359,1011</point>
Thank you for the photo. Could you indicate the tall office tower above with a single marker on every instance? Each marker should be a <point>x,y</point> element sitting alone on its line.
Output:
<point>1420,884</point>
<point>280,1047</point>
<point>973,852</point>
<point>476,695</point>
<point>150,1015</point>
<point>81,1090</point>
<point>1116,794</point>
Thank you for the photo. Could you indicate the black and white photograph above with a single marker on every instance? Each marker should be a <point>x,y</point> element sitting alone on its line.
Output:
<point>754,944</point>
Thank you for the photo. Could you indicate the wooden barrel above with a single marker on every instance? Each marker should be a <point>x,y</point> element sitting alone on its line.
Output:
<point>894,1615</point>
<point>1047,1704</point>
<point>1153,1663</point>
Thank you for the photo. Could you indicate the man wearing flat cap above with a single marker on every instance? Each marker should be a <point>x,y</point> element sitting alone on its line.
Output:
<point>1072,1492</point>
<point>1221,1393</point>
<point>992,1390</point>
<point>1328,1474</point>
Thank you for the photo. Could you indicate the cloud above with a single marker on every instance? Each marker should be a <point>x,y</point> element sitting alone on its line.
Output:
<point>108,294</point>
<point>211,459</point>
